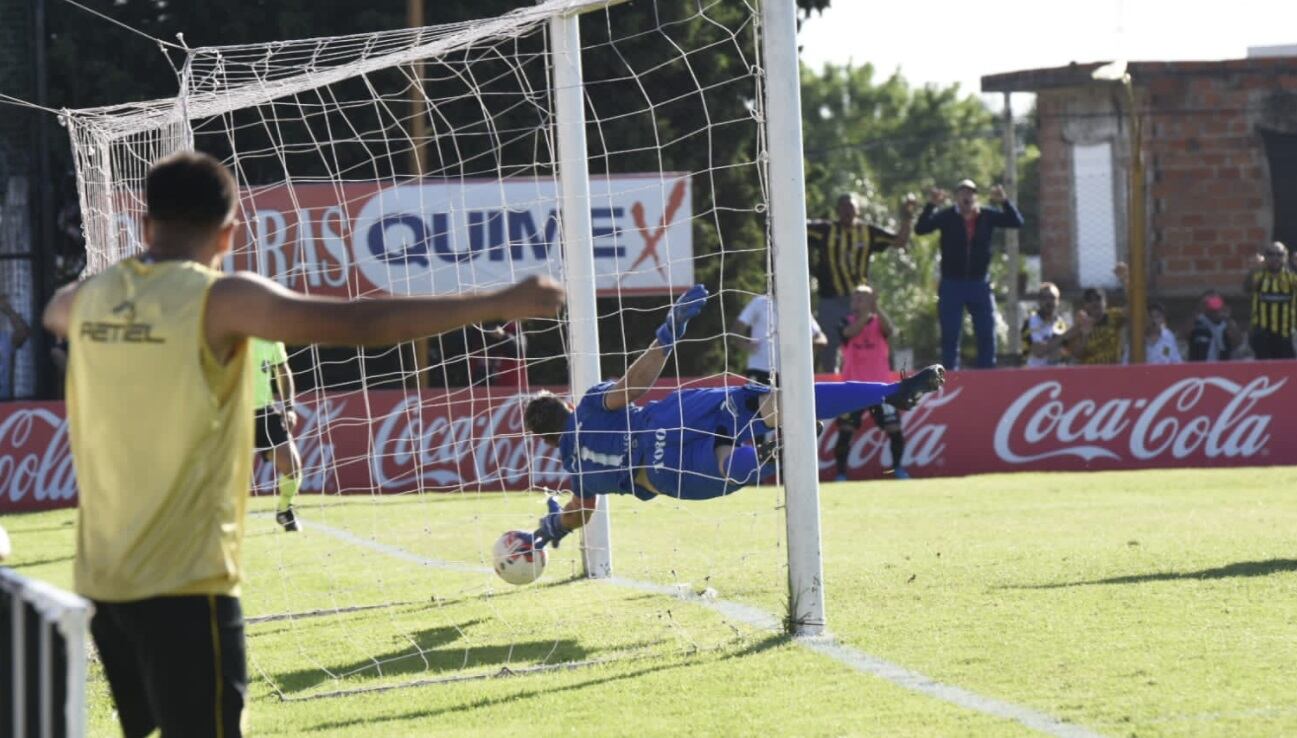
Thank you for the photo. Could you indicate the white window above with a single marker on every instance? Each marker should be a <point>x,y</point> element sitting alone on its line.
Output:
<point>1096,215</point>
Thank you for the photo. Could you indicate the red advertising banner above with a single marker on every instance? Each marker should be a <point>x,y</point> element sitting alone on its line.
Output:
<point>1069,419</point>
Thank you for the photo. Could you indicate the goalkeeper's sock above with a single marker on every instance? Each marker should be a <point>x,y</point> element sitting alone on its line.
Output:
<point>838,398</point>
<point>843,447</point>
<point>898,450</point>
<point>288,484</point>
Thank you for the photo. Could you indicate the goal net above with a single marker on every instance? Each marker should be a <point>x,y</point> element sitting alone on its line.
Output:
<point>427,161</point>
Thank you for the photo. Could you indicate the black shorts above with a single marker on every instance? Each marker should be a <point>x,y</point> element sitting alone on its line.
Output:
<point>1270,345</point>
<point>270,430</point>
<point>758,376</point>
<point>883,414</point>
<point>175,663</point>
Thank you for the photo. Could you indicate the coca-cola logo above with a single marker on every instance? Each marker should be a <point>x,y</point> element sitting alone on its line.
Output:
<point>1178,421</point>
<point>871,448</point>
<point>35,460</point>
<point>449,451</point>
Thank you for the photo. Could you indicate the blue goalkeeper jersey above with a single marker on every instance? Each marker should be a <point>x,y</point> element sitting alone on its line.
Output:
<point>596,445</point>
<point>602,448</point>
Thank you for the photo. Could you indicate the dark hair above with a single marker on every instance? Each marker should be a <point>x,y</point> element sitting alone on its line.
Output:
<point>546,416</point>
<point>1093,293</point>
<point>192,191</point>
<point>1159,307</point>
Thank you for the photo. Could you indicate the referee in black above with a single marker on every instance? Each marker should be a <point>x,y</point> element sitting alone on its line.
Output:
<point>840,251</point>
<point>1273,289</point>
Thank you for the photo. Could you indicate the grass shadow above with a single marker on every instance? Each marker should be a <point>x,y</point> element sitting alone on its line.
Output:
<point>40,562</point>
<point>1237,569</point>
<point>17,531</point>
<point>601,681</point>
<point>432,652</point>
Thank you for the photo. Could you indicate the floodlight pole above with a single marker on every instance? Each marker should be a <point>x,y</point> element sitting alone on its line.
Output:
<point>783,109</point>
<point>1137,280</point>
<point>1012,253</point>
<point>578,253</point>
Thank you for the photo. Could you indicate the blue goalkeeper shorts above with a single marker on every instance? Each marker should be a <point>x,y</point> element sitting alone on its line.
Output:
<point>679,435</point>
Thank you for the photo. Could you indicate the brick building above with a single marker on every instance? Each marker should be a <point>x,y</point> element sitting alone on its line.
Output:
<point>1220,152</point>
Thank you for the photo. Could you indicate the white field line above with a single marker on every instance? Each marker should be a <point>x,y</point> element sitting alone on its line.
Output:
<point>761,620</point>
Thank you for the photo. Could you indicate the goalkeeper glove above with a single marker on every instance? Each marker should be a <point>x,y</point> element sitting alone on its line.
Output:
<point>551,528</point>
<point>689,305</point>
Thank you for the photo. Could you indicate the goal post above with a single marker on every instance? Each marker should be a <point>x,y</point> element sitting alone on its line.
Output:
<point>627,149</point>
<point>791,265</point>
<point>578,254</point>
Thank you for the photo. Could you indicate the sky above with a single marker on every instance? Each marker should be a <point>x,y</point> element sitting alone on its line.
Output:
<point>944,42</point>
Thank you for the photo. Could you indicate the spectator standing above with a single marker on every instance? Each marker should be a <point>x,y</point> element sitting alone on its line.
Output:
<point>754,332</point>
<point>1273,290</point>
<point>1099,328</point>
<point>866,357</point>
<point>14,332</point>
<point>840,250</point>
<point>966,230</point>
<point>273,395</point>
<point>1045,331</point>
<point>1214,334</point>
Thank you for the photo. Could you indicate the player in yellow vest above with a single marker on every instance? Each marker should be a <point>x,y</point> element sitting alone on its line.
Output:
<point>274,429</point>
<point>160,415</point>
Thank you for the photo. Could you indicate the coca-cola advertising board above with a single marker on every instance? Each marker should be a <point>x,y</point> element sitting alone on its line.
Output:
<point>1069,419</point>
<point>437,237</point>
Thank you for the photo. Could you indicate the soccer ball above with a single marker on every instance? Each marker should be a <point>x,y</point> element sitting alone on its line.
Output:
<point>516,561</point>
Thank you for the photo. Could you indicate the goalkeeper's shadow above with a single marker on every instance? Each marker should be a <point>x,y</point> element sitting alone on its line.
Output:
<point>432,652</point>
<point>548,689</point>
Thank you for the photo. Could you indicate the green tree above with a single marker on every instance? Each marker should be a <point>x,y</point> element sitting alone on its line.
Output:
<point>883,140</point>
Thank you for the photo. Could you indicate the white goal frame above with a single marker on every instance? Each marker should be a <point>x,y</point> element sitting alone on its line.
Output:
<point>162,127</point>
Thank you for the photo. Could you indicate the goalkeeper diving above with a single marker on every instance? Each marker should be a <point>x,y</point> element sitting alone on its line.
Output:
<point>693,444</point>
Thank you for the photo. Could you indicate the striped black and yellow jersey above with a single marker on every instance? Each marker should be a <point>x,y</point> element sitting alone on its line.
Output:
<point>1273,299</point>
<point>841,253</point>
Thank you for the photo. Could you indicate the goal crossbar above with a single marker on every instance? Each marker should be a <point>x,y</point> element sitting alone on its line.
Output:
<point>382,50</point>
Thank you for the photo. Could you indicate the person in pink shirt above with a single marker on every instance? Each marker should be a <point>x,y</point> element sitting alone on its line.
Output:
<point>866,356</point>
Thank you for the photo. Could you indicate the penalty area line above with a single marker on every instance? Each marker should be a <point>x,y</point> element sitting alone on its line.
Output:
<point>762,620</point>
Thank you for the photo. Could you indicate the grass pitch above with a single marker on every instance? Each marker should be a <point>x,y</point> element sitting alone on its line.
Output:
<point>1130,604</point>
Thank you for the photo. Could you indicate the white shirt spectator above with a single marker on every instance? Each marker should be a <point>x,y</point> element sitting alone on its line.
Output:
<point>1039,330</point>
<point>759,317</point>
<point>1164,350</point>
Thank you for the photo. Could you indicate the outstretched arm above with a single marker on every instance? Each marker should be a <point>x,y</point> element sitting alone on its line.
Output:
<point>908,207</point>
<point>560,521</point>
<point>927,222</point>
<point>648,367</point>
<point>58,313</point>
<point>1008,216</point>
<point>639,378</point>
<point>247,304</point>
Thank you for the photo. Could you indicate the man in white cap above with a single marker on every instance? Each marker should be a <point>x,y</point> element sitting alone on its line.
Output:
<point>966,230</point>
